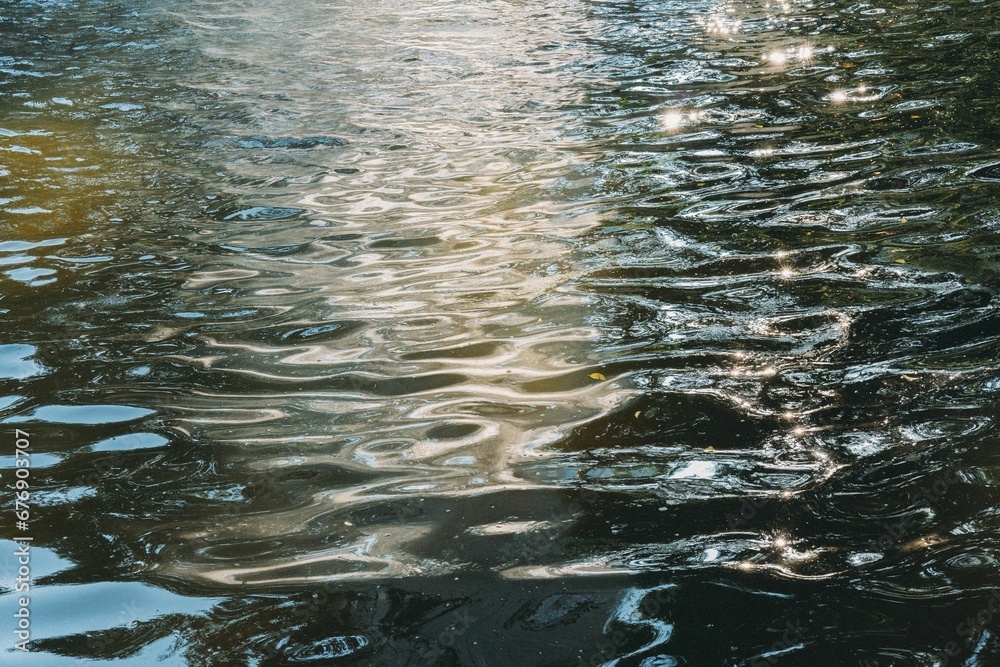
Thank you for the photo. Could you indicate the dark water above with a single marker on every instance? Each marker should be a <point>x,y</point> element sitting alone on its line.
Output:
<point>502,333</point>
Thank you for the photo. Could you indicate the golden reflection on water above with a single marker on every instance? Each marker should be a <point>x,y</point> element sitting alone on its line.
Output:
<point>56,181</point>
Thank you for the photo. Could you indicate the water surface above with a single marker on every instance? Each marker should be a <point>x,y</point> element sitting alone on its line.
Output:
<point>498,333</point>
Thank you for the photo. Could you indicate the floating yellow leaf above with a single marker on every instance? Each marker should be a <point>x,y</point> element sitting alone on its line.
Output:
<point>710,449</point>
<point>638,413</point>
<point>910,378</point>
<point>598,376</point>
<point>900,261</point>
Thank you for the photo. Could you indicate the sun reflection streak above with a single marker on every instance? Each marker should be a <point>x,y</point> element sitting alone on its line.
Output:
<point>776,58</point>
<point>673,120</point>
<point>859,94</point>
<point>721,25</point>
<point>838,96</point>
<point>782,57</point>
<point>676,118</point>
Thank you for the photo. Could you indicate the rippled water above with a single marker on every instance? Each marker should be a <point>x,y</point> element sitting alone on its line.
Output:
<point>503,333</point>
